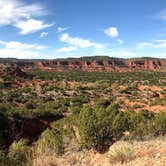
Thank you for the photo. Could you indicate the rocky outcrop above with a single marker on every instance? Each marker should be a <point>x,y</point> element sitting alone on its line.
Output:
<point>91,64</point>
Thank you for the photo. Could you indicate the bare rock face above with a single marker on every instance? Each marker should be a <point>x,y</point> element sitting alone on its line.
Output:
<point>92,64</point>
<point>147,64</point>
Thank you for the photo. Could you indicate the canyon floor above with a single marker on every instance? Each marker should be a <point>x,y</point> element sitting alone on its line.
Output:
<point>75,115</point>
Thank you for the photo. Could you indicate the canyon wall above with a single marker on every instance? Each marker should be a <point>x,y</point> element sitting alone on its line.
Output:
<point>91,65</point>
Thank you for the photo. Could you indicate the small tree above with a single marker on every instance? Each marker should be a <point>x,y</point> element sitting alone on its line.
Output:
<point>100,126</point>
<point>87,127</point>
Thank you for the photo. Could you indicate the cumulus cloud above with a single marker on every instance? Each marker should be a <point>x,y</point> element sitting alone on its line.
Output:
<point>112,32</point>
<point>21,46</point>
<point>14,49</point>
<point>78,42</point>
<point>17,53</point>
<point>31,26</point>
<point>66,49</point>
<point>18,14</point>
<point>14,10</point>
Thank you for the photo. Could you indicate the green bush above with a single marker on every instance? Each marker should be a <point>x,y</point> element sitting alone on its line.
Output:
<point>31,110</point>
<point>79,100</point>
<point>30,105</point>
<point>4,127</point>
<point>140,123</point>
<point>50,142</point>
<point>19,152</point>
<point>87,127</point>
<point>75,109</point>
<point>4,159</point>
<point>101,126</point>
<point>103,103</point>
<point>160,124</point>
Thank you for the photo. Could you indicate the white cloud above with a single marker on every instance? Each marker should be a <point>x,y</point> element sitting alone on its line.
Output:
<point>17,53</point>
<point>78,42</point>
<point>20,46</point>
<point>120,41</point>
<point>14,49</point>
<point>112,32</point>
<point>23,16</point>
<point>62,29</point>
<point>153,44</point>
<point>13,10</point>
<point>31,26</point>
<point>43,34</point>
<point>66,49</point>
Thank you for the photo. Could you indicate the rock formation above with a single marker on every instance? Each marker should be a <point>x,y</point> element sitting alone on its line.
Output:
<point>91,64</point>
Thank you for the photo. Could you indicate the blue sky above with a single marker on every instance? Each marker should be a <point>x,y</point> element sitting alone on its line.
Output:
<point>73,28</point>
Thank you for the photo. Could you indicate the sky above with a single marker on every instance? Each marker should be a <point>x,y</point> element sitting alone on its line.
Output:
<point>50,29</point>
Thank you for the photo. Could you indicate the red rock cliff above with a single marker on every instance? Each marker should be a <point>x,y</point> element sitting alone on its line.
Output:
<point>98,64</point>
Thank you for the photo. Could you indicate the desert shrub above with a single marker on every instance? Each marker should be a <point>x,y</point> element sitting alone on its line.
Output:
<point>32,110</point>
<point>4,159</point>
<point>75,109</point>
<point>47,98</point>
<point>140,123</point>
<point>100,126</point>
<point>27,90</point>
<point>145,123</point>
<point>3,108</point>
<point>159,127</point>
<point>63,101</point>
<point>135,106</point>
<point>2,85</point>
<point>50,142</point>
<point>103,103</point>
<point>102,84</point>
<point>22,112</point>
<point>88,128</point>
<point>77,103</point>
<point>12,95</point>
<point>129,89</point>
<point>4,127</point>
<point>49,109</point>
<point>30,105</point>
<point>121,152</point>
<point>19,152</point>
<point>48,88</point>
<point>119,124</point>
<point>79,100</point>
<point>112,108</point>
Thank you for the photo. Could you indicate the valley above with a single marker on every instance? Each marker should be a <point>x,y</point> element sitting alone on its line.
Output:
<point>55,113</point>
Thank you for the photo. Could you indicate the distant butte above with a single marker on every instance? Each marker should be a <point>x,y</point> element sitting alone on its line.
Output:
<point>92,64</point>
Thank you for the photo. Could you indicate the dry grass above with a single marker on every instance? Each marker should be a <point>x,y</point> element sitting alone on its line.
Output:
<point>141,153</point>
<point>121,152</point>
<point>45,160</point>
